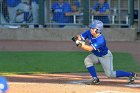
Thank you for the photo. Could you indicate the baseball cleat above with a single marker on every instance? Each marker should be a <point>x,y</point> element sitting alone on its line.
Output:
<point>93,81</point>
<point>132,78</point>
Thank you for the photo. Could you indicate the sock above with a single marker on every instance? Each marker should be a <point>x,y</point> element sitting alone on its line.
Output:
<point>120,73</point>
<point>92,71</point>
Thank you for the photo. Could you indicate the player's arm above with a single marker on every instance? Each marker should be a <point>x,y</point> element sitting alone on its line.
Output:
<point>83,45</point>
<point>78,40</point>
<point>87,47</point>
<point>106,13</point>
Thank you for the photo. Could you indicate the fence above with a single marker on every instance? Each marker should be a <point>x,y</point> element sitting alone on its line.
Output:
<point>27,12</point>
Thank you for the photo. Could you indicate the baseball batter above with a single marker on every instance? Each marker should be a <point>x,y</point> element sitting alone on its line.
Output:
<point>99,53</point>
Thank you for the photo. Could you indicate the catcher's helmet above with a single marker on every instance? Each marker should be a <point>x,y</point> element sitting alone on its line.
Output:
<point>98,25</point>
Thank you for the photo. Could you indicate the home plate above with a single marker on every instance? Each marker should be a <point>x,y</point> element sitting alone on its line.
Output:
<point>77,82</point>
<point>133,85</point>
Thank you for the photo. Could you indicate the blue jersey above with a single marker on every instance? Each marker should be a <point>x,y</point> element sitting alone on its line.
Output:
<point>13,3</point>
<point>102,9</point>
<point>59,12</point>
<point>98,43</point>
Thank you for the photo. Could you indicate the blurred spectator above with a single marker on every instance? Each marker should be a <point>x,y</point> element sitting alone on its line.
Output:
<point>35,8</point>
<point>75,6</point>
<point>3,12</point>
<point>60,10</point>
<point>11,4</point>
<point>23,12</point>
<point>76,3</point>
<point>75,10</point>
<point>101,10</point>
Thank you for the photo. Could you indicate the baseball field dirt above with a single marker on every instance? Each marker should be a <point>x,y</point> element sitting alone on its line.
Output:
<point>68,82</point>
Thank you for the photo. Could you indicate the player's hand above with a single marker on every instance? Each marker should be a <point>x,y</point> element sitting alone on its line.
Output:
<point>79,43</point>
<point>77,37</point>
<point>74,38</point>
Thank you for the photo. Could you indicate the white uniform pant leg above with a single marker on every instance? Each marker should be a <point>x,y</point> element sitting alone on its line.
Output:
<point>90,60</point>
<point>35,12</point>
<point>107,64</point>
<point>12,14</point>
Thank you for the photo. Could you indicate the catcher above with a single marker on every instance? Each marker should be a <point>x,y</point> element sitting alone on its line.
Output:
<point>99,53</point>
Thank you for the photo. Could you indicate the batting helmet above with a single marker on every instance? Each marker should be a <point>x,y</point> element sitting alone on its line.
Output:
<point>97,25</point>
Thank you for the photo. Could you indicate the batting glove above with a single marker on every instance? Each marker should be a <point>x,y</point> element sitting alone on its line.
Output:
<point>79,43</point>
<point>74,38</point>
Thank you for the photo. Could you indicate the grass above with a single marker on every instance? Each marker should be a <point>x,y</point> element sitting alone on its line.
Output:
<point>57,62</point>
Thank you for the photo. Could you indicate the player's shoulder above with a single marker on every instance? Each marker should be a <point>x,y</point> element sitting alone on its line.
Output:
<point>88,30</point>
<point>101,38</point>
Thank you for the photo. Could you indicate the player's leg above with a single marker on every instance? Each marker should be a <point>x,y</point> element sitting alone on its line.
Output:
<point>107,63</point>
<point>90,60</point>
<point>131,75</point>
